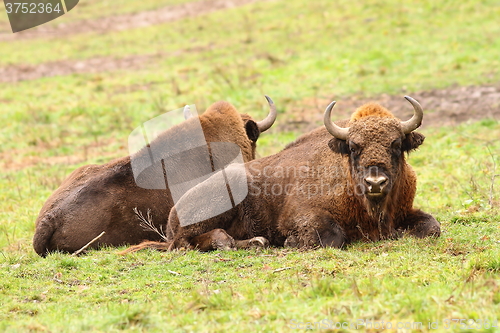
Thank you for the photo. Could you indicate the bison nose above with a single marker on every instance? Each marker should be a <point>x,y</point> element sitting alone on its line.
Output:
<point>375,183</point>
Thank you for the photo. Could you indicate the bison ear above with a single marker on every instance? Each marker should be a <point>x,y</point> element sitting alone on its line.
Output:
<point>252,130</point>
<point>412,141</point>
<point>338,146</point>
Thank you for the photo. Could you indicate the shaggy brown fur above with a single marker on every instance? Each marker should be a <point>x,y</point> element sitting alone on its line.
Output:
<point>371,109</point>
<point>315,192</point>
<point>98,198</point>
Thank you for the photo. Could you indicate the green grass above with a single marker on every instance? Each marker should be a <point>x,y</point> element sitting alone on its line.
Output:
<point>407,280</point>
<point>292,51</point>
<point>457,168</point>
<point>320,50</point>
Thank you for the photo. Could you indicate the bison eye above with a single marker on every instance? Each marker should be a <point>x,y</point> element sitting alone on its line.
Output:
<point>354,148</point>
<point>396,147</point>
<point>396,144</point>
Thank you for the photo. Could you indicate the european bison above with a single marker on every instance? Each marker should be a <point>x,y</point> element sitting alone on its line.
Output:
<point>340,183</point>
<point>96,198</point>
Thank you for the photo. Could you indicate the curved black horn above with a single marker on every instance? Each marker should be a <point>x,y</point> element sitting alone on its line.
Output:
<point>335,130</point>
<point>266,123</point>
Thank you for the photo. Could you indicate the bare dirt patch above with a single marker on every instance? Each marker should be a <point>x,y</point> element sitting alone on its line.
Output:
<point>126,21</point>
<point>442,107</point>
<point>16,73</point>
<point>18,159</point>
<point>23,72</point>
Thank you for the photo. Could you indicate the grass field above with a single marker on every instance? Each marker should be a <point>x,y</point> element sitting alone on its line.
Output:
<point>293,51</point>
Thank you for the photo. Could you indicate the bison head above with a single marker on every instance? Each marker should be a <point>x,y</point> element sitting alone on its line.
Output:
<point>374,143</point>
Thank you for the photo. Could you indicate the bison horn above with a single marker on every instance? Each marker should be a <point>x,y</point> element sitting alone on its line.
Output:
<point>266,123</point>
<point>415,121</point>
<point>335,130</point>
<point>187,112</point>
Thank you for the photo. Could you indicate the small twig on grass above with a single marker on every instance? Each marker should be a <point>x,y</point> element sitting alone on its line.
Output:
<point>380,220</point>
<point>147,223</point>
<point>319,237</point>
<point>362,233</point>
<point>88,244</point>
<point>57,277</point>
<point>281,269</point>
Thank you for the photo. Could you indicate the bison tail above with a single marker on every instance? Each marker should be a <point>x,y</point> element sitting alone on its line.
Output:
<point>159,246</point>
<point>43,234</point>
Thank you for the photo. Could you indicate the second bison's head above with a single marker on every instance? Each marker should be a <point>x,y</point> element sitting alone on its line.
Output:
<point>375,142</point>
<point>221,122</point>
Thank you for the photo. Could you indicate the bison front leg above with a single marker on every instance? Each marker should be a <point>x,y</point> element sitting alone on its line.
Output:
<point>216,239</point>
<point>314,229</point>
<point>420,224</point>
<point>256,242</point>
<point>219,239</point>
<point>206,235</point>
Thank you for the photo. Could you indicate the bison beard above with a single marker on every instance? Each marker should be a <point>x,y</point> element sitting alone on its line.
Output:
<point>373,200</point>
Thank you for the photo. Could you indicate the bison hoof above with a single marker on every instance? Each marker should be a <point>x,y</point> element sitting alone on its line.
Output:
<point>216,239</point>
<point>433,230</point>
<point>224,246</point>
<point>291,241</point>
<point>258,242</point>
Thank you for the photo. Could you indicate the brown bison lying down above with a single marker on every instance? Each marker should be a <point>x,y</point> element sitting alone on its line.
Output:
<point>338,184</point>
<point>97,198</point>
